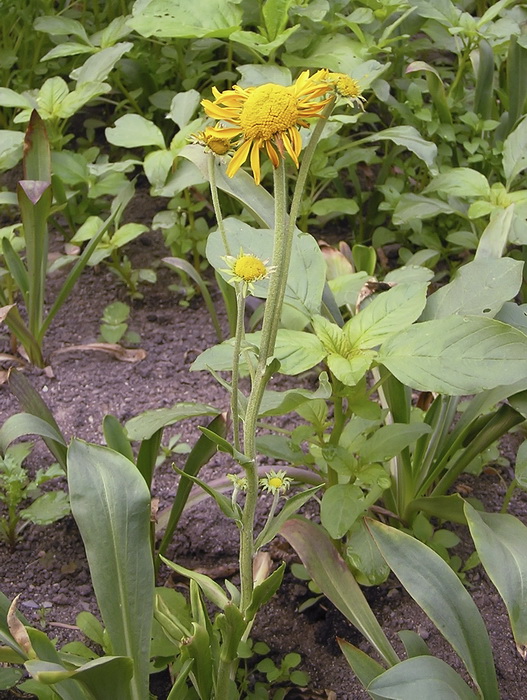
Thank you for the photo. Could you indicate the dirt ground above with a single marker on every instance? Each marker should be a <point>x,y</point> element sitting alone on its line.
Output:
<point>48,566</point>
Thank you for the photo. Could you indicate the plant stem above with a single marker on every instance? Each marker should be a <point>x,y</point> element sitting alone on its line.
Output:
<point>216,202</point>
<point>262,374</point>
<point>238,337</point>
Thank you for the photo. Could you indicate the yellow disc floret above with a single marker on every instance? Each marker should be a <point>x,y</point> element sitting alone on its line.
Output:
<point>346,87</point>
<point>276,481</point>
<point>269,110</point>
<point>249,268</point>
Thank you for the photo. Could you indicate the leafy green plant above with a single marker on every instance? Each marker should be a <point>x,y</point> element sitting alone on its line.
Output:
<point>114,327</point>
<point>17,488</point>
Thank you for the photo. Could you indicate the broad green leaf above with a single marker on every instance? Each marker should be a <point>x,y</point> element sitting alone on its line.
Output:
<point>439,592</point>
<point>456,355</point>
<point>351,369</point>
<point>8,677</point>
<point>515,152</point>
<point>346,288</point>
<point>21,424</point>
<point>329,571</point>
<point>514,315</point>
<point>277,403</point>
<point>259,74</point>
<point>341,505</point>
<point>499,231</point>
<point>479,288</point>
<point>417,206</point>
<point>183,106</point>
<point>364,557</point>
<point>460,182</point>
<point>297,352</point>
<point>179,18</point>
<point>127,233</point>
<point>61,26</point>
<point>50,97</point>
<point>418,678</point>
<point>10,98</point>
<point>97,67</point>
<point>305,282</point>
<point>68,48</point>
<point>275,16</point>
<point>334,206</point>
<point>133,130</point>
<point>411,139</point>
<point>390,440</point>
<point>10,148</point>
<point>258,43</point>
<point>500,542</point>
<point>143,426</point>
<point>390,312</point>
<point>118,548</point>
<point>83,94</point>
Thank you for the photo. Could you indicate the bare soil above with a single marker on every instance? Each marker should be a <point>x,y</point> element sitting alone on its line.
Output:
<point>48,566</point>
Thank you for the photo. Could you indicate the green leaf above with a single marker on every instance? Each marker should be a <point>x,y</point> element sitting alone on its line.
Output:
<point>21,424</point>
<point>479,288</point>
<point>48,508</point>
<point>210,588</point>
<point>500,542</point>
<point>389,313</point>
<point>439,592</point>
<point>11,143</point>
<point>60,26</point>
<point>275,14</point>
<point>460,182</point>
<point>411,139</point>
<point>418,678</point>
<point>515,152</point>
<point>132,131</point>
<point>335,580</point>
<point>10,98</point>
<point>417,206</point>
<point>9,677</point>
<point>306,277</point>
<point>143,426</point>
<point>341,505</point>
<point>117,543</point>
<point>390,440</point>
<point>363,555</point>
<point>50,96</point>
<point>364,667</point>
<point>97,67</point>
<point>456,355</point>
<point>181,19</point>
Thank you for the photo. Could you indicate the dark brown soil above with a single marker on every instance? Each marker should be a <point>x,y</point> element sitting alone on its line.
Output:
<point>48,566</point>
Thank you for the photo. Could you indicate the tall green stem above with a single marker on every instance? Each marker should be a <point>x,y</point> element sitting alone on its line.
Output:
<point>216,202</point>
<point>238,337</point>
<point>261,377</point>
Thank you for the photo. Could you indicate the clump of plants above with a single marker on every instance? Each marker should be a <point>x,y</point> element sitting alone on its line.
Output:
<point>381,440</point>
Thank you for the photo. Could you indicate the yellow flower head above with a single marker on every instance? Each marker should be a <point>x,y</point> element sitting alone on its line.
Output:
<point>346,87</point>
<point>276,482</point>
<point>266,116</point>
<point>218,144</point>
<point>247,269</point>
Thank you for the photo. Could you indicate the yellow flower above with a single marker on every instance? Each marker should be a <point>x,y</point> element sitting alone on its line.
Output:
<point>346,87</point>
<point>220,145</point>
<point>266,116</point>
<point>276,482</point>
<point>247,269</point>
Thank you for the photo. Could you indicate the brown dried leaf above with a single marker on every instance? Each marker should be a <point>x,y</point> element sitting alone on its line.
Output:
<point>120,353</point>
<point>18,630</point>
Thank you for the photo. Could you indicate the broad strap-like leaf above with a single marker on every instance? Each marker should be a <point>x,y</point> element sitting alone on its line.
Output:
<point>331,574</point>
<point>500,541</point>
<point>110,502</point>
<point>439,592</point>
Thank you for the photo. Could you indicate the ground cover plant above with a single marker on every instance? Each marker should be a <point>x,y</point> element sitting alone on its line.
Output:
<point>401,127</point>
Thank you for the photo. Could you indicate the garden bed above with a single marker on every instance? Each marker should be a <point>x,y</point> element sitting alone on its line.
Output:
<point>48,567</point>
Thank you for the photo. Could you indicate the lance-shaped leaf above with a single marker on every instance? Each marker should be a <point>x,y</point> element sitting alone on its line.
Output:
<point>335,580</point>
<point>439,592</point>
<point>500,542</point>
<point>110,502</point>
